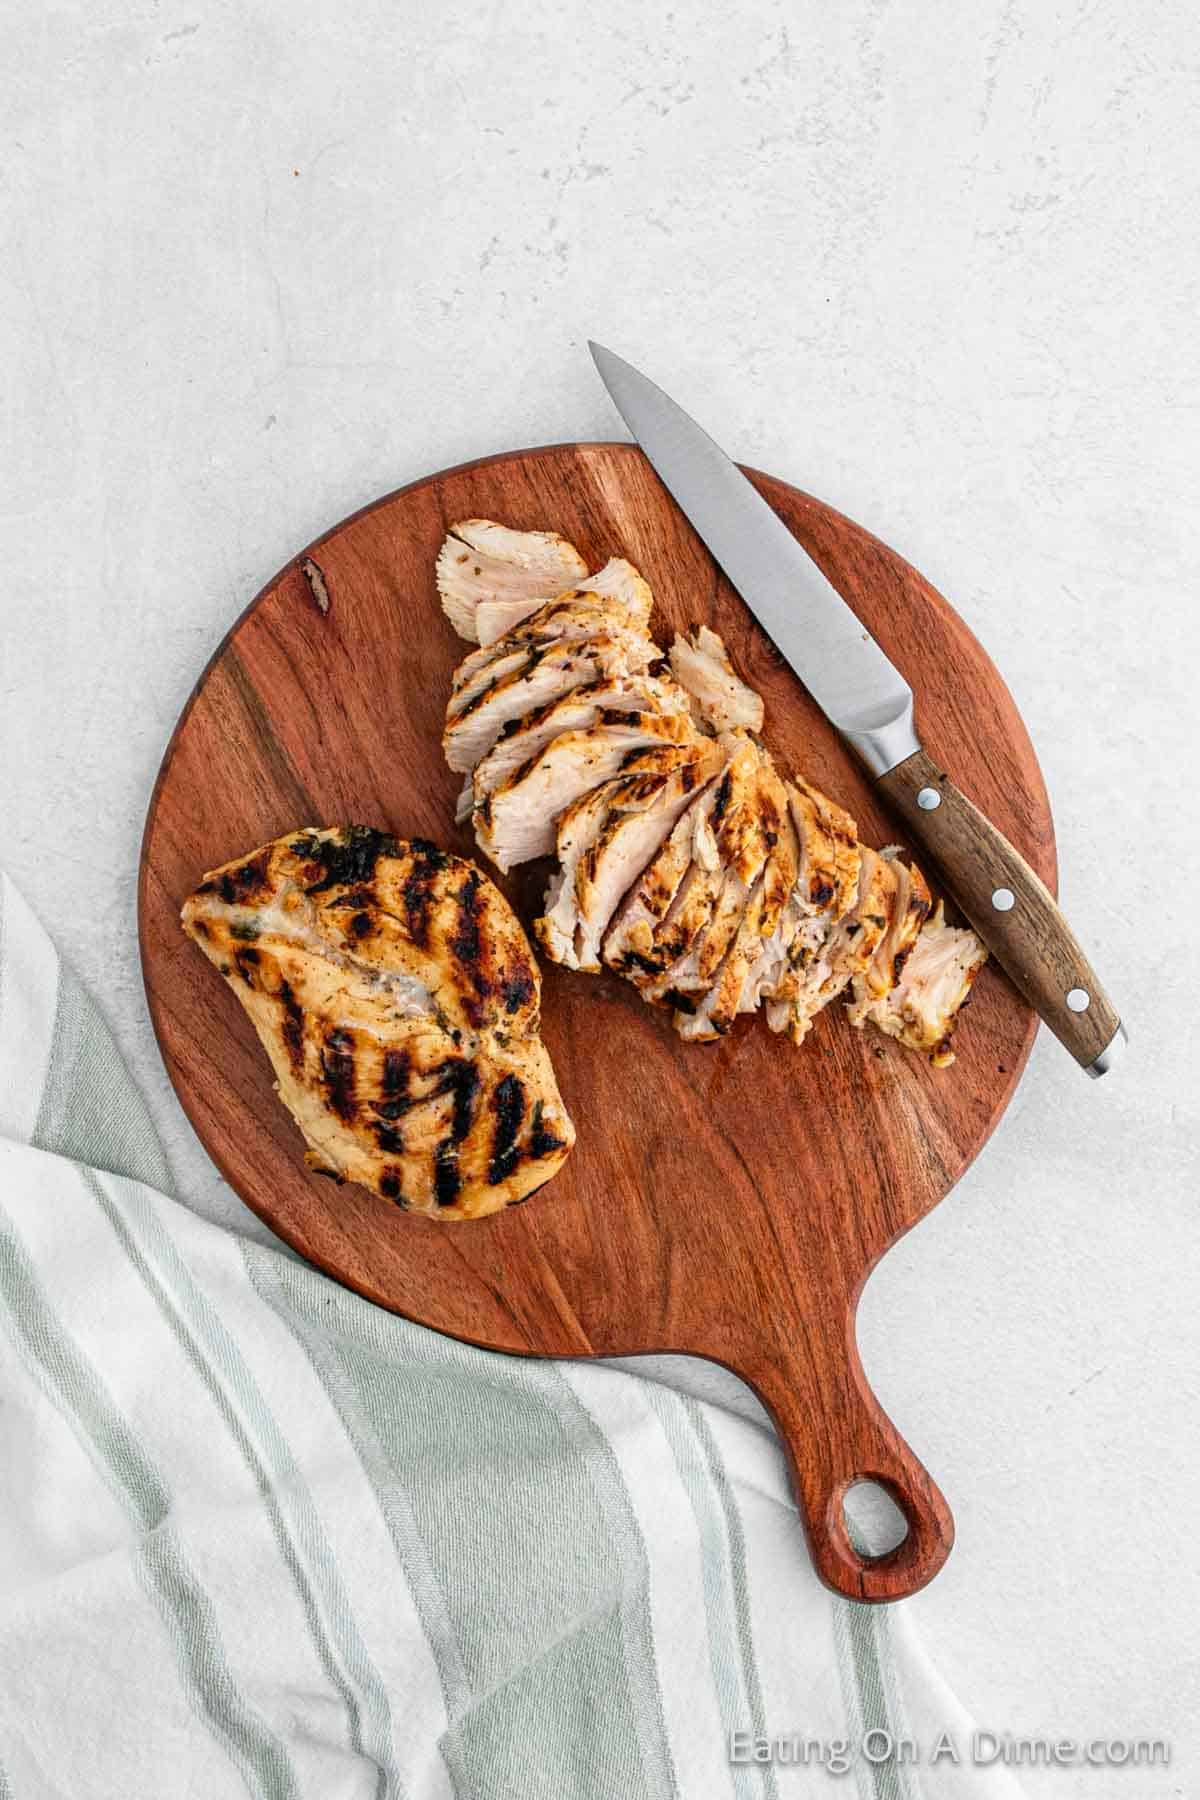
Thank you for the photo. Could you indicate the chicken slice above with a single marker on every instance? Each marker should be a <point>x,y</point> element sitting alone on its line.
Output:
<point>523,739</point>
<point>826,953</point>
<point>397,999</point>
<point>745,839</point>
<point>909,913</point>
<point>721,699</point>
<point>517,821</point>
<point>628,944</point>
<point>829,849</point>
<point>617,580</point>
<point>545,675</point>
<point>923,1008</point>
<point>662,914</point>
<point>605,841</point>
<point>570,619</point>
<point>760,940</point>
<point>480,562</point>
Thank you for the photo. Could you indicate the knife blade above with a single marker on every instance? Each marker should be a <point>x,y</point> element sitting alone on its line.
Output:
<point>870,702</point>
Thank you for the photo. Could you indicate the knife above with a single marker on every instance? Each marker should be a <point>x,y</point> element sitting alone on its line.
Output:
<point>868,700</point>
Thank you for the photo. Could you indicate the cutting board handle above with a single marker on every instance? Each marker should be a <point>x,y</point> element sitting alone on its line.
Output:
<point>853,1441</point>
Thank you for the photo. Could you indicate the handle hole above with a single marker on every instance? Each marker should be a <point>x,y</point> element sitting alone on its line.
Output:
<point>874,1523</point>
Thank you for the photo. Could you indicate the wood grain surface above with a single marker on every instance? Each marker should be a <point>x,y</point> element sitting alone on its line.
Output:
<point>726,1200</point>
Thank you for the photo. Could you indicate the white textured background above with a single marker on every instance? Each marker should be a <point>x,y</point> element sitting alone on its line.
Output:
<point>937,262</point>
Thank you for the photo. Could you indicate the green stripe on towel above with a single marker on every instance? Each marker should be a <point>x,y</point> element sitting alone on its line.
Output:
<point>525,1527</point>
<point>67,1377</point>
<point>294,1519</point>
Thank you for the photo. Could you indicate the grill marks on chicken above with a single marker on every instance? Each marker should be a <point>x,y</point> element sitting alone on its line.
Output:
<point>516,821</point>
<point>686,862</point>
<point>603,842</point>
<point>397,999</point>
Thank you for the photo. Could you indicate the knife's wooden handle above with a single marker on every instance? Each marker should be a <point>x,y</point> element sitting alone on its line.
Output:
<point>1014,914</point>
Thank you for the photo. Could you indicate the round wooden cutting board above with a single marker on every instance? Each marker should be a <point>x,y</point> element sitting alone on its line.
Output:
<point>727,1200</point>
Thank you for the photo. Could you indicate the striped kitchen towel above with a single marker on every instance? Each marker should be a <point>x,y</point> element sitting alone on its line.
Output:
<point>257,1535</point>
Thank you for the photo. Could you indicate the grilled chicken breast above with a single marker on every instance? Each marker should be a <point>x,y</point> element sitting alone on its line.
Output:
<point>685,861</point>
<point>827,953</point>
<point>700,663</point>
<point>573,618</point>
<point>909,911</point>
<point>579,709</point>
<point>604,842</point>
<point>617,580</point>
<point>662,914</point>
<point>517,821</point>
<point>397,999</point>
<point>545,675</point>
<point>481,562</point>
<point>923,1008</point>
<point>715,900</point>
<point>736,986</point>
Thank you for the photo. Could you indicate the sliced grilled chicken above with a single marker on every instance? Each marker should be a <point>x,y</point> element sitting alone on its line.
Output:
<point>761,936</point>
<point>518,820</point>
<point>745,838</point>
<point>923,1008</point>
<point>829,849</point>
<point>910,910</point>
<point>738,888</point>
<point>617,580</point>
<point>782,913</point>
<point>523,739</point>
<point>570,619</point>
<point>604,842</point>
<point>480,562</point>
<point>546,674</point>
<point>397,999</point>
<point>826,954</point>
<point>672,904</point>
<point>700,663</point>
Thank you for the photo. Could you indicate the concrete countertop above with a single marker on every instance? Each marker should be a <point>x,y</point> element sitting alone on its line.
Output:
<point>938,265</point>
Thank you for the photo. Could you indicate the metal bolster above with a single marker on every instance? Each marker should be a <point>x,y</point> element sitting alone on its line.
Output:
<point>1108,1056</point>
<point>891,741</point>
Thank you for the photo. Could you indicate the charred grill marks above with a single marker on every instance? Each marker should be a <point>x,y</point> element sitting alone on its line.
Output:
<point>337,1068</point>
<point>395,1072</point>
<point>236,886</point>
<point>246,962</point>
<point>447,1182</point>
<point>541,1142</point>
<point>517,989</point>
<point>293,1026</point>
<point>465,1080</point>
<point>391,1186</point>
<point>720,803</point>
<point>465,944</point>
<point>508,1106</point>
<point>347,860</point>
<point>419,888</point>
